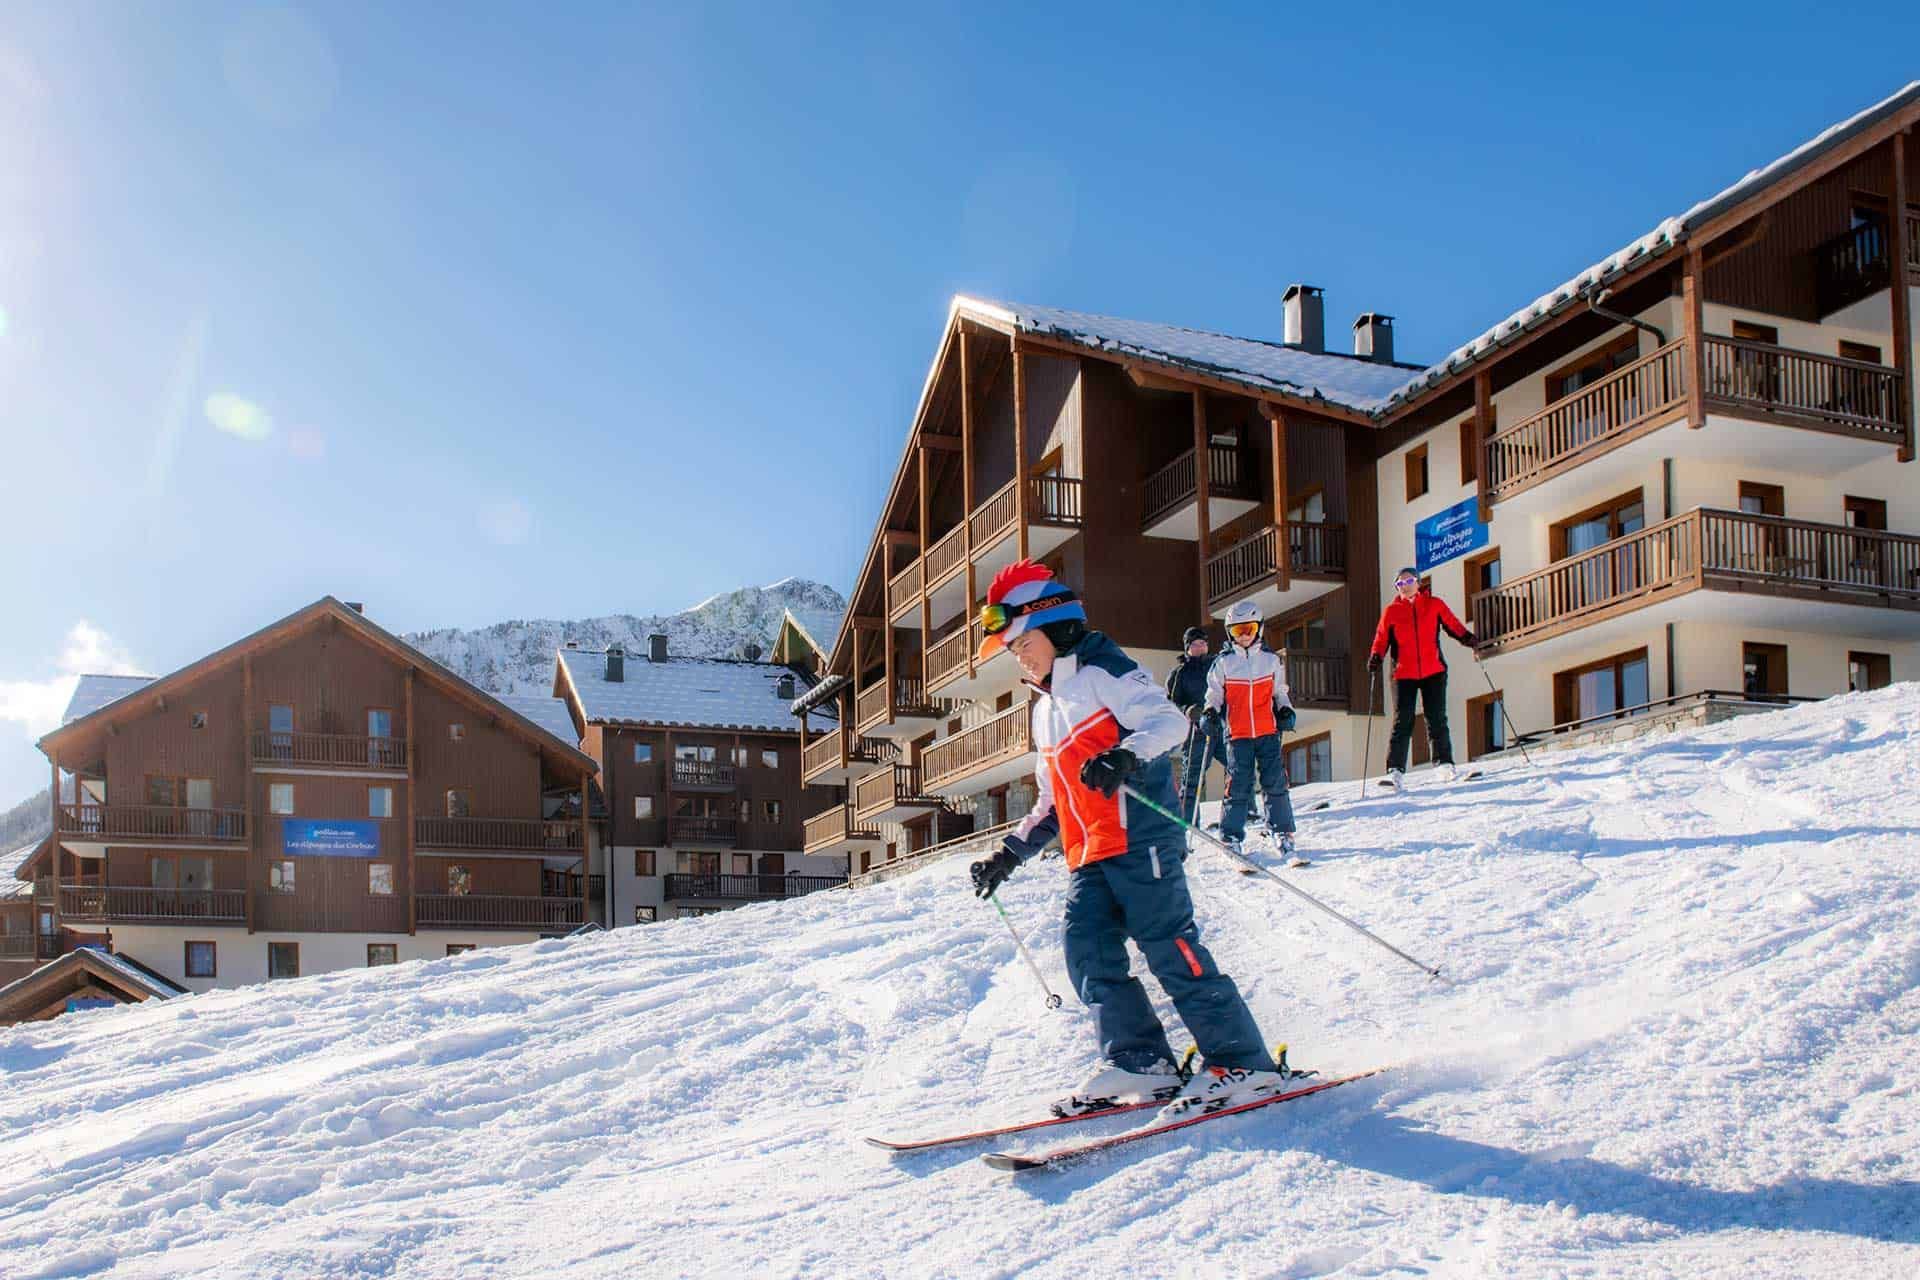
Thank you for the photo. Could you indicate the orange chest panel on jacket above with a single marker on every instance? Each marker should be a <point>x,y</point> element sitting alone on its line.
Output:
<point>1249,707</point>
<point>1092,826</point>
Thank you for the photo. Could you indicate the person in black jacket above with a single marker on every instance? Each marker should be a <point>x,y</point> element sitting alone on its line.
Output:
<point>1187,688</point>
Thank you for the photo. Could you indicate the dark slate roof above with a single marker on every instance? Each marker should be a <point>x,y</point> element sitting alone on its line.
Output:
<point>549,712</point>
<point>696,693</point>
<point>95,692</point>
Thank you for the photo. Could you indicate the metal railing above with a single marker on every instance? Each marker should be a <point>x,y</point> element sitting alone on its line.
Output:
<point>495,911</point>
<point>703,775</point>
<point>1174,485</point>
<point>1760,701</point>
<point>152,822</point>
<point>973,841</point>
<point>1005,737</point>
<point>329,750</point>
<point>533,835</point>
<point>703,829</point>
<point>1560,435</point>
<point>133,902</point>
<point>1856,396</point>
<point>747,888</point>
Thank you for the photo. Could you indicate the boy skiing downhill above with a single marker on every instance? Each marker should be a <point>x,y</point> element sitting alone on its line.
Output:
<point>1410,628</point>
<point>1249,683</point>
<point>1100,722</point>
<point>1187,688</point>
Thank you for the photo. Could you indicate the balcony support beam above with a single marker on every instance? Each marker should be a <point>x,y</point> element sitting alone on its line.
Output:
<point>53,854</point>
<point>1282,552</point>
<point>1482,428</point>
<point>1902,299</point>
<point>926,543</point>
<point>1202,467</point>
<point>966,484</point>
<point>1020,485</point>
<point>1693,320</point>
<point>586,849</point>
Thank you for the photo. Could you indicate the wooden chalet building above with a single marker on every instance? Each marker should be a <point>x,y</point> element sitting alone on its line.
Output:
<point>317,796</point>
<point>1685,460</point>
<point>700,764</point>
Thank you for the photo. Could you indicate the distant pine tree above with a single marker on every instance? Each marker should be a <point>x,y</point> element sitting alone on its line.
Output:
<point>26,823</point>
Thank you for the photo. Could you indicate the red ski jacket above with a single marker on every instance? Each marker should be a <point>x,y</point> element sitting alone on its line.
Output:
<point>1411,631</point>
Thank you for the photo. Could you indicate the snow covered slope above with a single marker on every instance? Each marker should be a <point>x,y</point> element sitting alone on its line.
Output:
<point>517,657</point>
<point>1676,1038</point>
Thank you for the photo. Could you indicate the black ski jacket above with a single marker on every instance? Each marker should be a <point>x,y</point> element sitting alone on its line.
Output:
<point>1187,682</point>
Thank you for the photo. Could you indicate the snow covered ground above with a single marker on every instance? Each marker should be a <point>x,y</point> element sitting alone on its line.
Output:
<point>1676,1038</point>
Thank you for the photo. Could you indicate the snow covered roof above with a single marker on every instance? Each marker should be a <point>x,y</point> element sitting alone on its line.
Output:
<point>1350,381</point>
<point>549,712</point>
<point>705,693</point>
<point>94,692</point>
<point>10,863</point>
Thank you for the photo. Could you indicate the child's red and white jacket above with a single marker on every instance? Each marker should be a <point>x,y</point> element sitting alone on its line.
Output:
<point>1248,685</point>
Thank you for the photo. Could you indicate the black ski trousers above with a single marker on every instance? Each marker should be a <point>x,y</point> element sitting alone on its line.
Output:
<point>1432,693</point>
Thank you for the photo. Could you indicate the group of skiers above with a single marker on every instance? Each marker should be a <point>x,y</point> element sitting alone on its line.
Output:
<point>1105,734</point>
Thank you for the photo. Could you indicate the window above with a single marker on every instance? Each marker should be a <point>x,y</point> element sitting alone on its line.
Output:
<point>1747,331</point>
<point>643,753</point>
<point>379,879</point>
<point>746,811</point>
<point>280,876</point>
<point>379,802</point>
<point>283,960</point>
<point>743,864</point>
<point>161,872</point>
<point>643,862</point>
<point>1469,453</point>
<point>1762,499</point>
<point>196,719</point>
<point>1306,634</point>
<point>459,881</point>
<point>1864,513</point>
<point>1598,525</point>
<point>1868,671</point>
<point>280,797</point>
<point>1416,472</point>
<point>703,752</point>
<point>459,803</point>
<point>379,722</point>
<point>769,758</point>
<point>161,791</point>
<point>1859,351</point>
<point>643,806</point>
<point>645,915</point>
<point>196,872</point>
<point>699,864</point>
<point>201,960</point>
<point>456,732</point>
<point>1310,759</point>
<point>459,948</point>
<point>379,953</point>
<point>199,793</point>
<point>280,730</point>
<point>1609,685</point>
<point>741,756</point>
<point>770,811</point>
<point>1590,368</point>
<point>1763,670</point>
<point>1486,724</point>
<point>1483,571</point>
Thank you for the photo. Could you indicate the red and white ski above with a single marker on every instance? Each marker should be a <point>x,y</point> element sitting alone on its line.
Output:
<point>1054,1159</point>
<point>981,1135</point>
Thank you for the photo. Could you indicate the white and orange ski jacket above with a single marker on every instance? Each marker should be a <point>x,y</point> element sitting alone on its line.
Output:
<point>1248,685</point>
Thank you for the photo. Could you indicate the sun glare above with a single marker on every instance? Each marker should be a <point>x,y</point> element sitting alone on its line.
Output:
<point>238,416</point>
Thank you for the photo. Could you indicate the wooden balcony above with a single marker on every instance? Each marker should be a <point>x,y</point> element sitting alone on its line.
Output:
<point>993,519</point>
<point>496,911</point>
<point>946,556</point>
<point>500,835</point>
<point>1053,516</point>
<point>836,831</point>
<point>717,888</point>
<point>18,946</point>
<point>111,903</point>
<point>903,590</point>
<point>151,824</point>
<point>984,756</point>
<point>1704,549</point>
<point>703,775</point>
<point>1857,263</point>
<point>913,712</point>
<point>1171,496</point>
<point>1601,416</point>
<point>836,756</point>
<point>1317,564</point>
<point>1318,680</point>
<point>329,751</point>
<point>1803,389</point>
<point>702,829</point>
<point>891,793</point>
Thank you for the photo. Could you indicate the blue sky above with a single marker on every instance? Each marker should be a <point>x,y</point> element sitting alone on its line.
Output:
<point>570,309</point>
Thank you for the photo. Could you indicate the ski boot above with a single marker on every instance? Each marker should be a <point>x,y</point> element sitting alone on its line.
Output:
<point>1112,1086</point>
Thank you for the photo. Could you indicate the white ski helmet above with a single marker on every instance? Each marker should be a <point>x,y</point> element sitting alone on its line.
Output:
<point>1244,611</point>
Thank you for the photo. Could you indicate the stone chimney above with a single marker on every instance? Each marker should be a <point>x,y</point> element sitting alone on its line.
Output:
<point>1306,318</point>
<point>616,664</point>
<point>656,647</point>
<point>356,606</point>
<point>1373,337</point>
<point>783,688</point>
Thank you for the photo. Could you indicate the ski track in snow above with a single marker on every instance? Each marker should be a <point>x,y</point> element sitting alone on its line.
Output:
<point>1673,1037</point>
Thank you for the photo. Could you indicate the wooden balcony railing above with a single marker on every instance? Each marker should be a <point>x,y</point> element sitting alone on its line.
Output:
<point>1851,266</point>
<point>888,787</point>
<point>703,829</point>
<point>946,555</point>
<point>823,753</point>
<point>1054,500</point>
<point>1559,436</point>
<point>1241,565</point>
<point>509,835</point>
<point>994,517</point>
<point>329,750</point>
<point>17,946</point>
<point>947,657</point>
<point>1316,549</point>
<point>1702,548</point>
<point>747,888</point>
<point>832,827</point>
<point>132,902</point>
<point>1317,678</point>
<point>1005,737</point>
<point>909,699</point>
<point>870,704</point>
<point>153,822</point>
<point>703,775</point>
<point>44,890</point>
<point>555,883</point>
<point>903,588</point>
<point>495,911</point>
<point>1174,485</point>
<point>1829,392</point>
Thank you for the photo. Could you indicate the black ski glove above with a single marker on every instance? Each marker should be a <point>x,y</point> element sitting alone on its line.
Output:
<point>1373,662</point>
<point>990,873</point>
<point>1210,721</point>
<point>1106,771</point>
<point>1286,719</point>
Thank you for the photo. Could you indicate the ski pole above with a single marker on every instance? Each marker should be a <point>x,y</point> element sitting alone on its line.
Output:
<point>1302,894</point>
<point>1200,783</point>
<point>1053,1001</point>
<point>1186,755</point>
<point>1503,710</point>
<point>1366,752</point>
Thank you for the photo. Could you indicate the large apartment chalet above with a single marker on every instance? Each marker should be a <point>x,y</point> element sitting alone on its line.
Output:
<point>316,796</point>
<point>700,763</point>
<point>1677,474</point>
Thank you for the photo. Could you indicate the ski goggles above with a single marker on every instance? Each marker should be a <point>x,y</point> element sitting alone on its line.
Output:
<point>1244,632</point>
<point>995,618</point>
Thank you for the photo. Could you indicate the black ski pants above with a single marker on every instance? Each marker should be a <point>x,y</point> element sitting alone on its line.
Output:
<point>1432,693</point>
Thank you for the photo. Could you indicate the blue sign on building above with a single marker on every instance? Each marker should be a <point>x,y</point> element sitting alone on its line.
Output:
<point>1453,532</point>
<point>336,839</point>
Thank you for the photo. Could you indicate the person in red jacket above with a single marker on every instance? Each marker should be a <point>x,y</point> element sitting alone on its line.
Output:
<point>1410,629</point>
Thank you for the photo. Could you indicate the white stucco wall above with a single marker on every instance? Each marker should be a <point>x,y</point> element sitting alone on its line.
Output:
<point>241,958</point>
